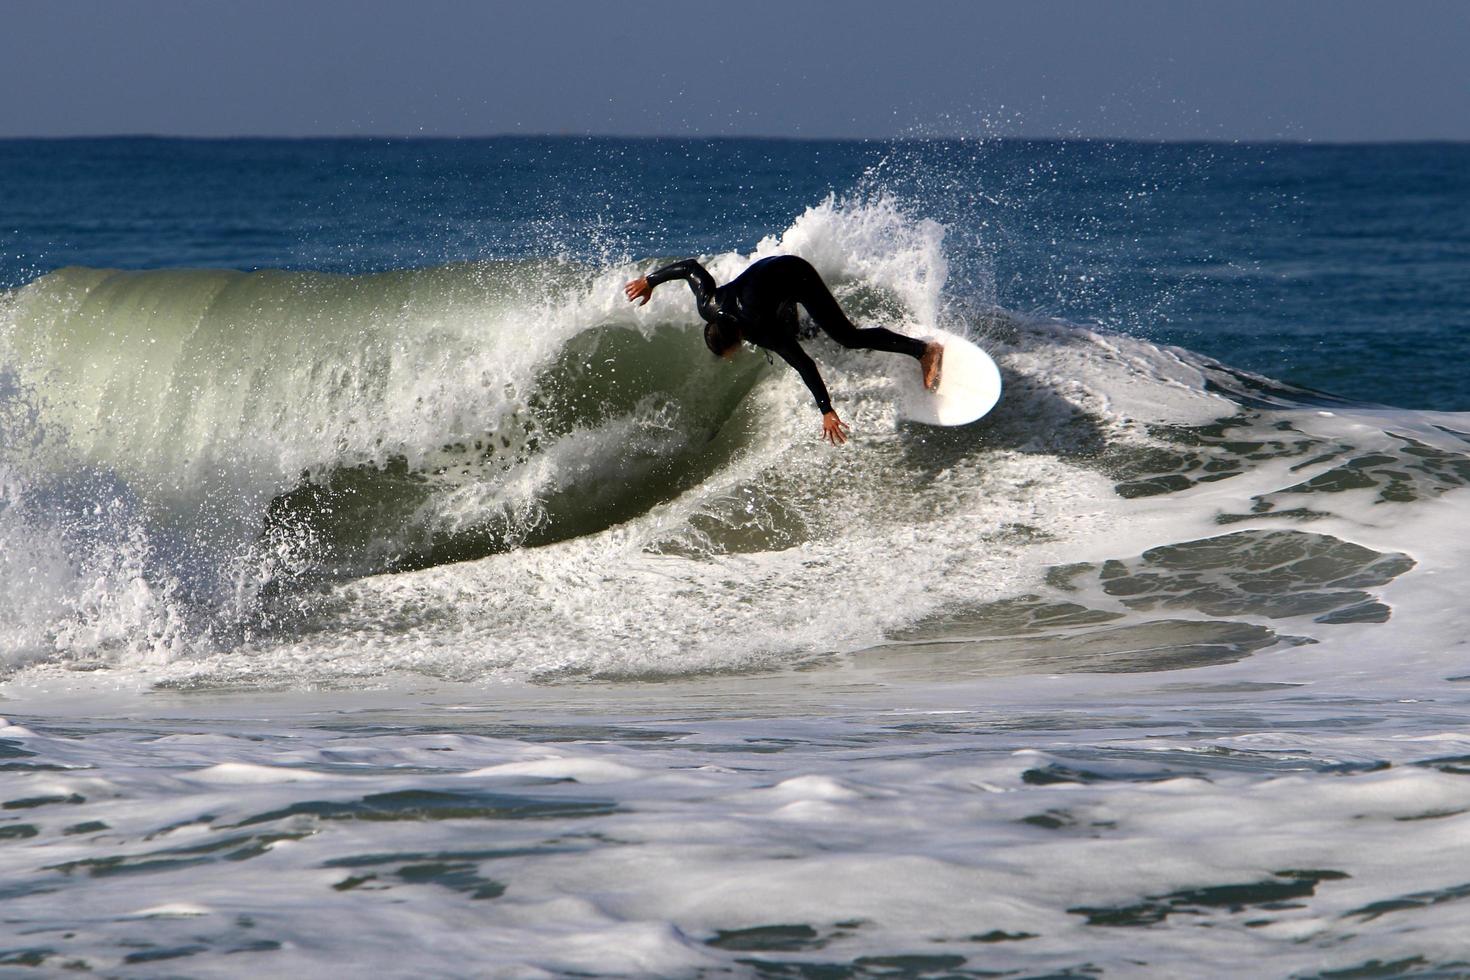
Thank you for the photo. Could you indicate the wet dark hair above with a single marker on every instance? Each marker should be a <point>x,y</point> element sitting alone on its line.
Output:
<point>720,335</point>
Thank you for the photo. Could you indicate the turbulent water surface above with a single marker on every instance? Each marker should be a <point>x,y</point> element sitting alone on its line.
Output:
<point>378,586</point>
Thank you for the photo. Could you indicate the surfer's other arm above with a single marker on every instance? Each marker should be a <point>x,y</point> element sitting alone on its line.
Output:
<point>834,430</point>
<point>640,290</point>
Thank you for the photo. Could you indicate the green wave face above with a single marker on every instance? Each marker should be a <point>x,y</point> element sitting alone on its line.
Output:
<point>368,422</point>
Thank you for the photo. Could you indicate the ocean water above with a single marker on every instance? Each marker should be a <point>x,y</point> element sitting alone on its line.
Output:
<point>378,588</point>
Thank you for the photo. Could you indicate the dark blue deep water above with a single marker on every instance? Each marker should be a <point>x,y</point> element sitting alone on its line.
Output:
<point>1342,268</point>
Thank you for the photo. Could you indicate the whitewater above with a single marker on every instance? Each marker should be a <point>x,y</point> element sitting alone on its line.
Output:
<point>458,618</point>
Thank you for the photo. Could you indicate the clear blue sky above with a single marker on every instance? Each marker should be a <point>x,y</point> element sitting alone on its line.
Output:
<point>1150,69</point>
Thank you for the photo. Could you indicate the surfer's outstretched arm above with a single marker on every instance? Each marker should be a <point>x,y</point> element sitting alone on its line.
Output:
<point>698,277</point>
<point>834,430</point>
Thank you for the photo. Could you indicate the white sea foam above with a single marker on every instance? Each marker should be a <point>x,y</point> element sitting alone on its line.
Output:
<point>1063,827</point>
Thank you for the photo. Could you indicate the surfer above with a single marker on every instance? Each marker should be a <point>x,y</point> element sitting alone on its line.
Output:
<point>759,305</point>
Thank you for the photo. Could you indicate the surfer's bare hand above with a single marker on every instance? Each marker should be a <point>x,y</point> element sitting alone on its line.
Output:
<point>834,430</point>
<point>639,289</point>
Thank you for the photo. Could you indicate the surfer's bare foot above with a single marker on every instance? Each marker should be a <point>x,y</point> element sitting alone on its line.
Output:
<point>930,363</point>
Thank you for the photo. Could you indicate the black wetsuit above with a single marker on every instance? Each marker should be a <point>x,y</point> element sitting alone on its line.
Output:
<point>762,302</point>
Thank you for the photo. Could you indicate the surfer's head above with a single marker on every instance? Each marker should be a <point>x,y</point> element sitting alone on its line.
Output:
<point>722,337</point>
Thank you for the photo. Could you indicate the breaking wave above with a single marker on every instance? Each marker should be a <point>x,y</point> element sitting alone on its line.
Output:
<point>502,467</point>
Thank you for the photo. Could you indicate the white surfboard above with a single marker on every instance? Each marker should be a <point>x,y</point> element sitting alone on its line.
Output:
<point>969,385</point>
